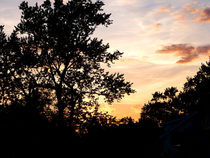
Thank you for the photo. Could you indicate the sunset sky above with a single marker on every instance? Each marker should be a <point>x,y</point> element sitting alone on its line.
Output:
<point>163,41</point>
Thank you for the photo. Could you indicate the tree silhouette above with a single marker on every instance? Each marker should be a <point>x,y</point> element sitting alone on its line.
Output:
<point>52,54</point>
<point>5,74</point>
<point>172,104</point>
<point>161,108</point>
<point>195,94</point>
<point>3,41</point>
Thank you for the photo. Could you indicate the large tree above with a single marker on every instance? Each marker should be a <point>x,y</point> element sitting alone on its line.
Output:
<point>59,59</point>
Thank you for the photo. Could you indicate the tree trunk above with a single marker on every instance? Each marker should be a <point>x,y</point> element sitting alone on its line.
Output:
<point>60,119</point>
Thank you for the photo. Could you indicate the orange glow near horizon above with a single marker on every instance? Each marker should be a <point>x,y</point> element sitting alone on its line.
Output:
<point>163,42</point>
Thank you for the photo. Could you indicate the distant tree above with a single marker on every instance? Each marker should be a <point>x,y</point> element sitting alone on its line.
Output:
<point>126,121</point>
<point>172,104</point>
<point>161,108</point>
<point>196,93</point>
<point>98,122</point>
<point>55,57</point>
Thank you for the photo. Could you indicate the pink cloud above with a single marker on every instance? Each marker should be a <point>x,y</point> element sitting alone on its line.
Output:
<point>205,16</point>
<point>191,12</point>
<point>190,3</point>
<point>163,9</point>
<point>187,52</point>
<point>157,25</point>
<point>198,14</point>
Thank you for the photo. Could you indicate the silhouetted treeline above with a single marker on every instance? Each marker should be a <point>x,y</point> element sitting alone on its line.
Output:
<point>51,80</point>
<point>26,132</point>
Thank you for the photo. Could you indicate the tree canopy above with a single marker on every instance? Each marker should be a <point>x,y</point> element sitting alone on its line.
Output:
<point>52,55</point>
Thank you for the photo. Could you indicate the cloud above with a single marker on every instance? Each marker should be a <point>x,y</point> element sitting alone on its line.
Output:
<point>163,9</point>
<point>188,12</point>
<point>188,53</point>
<point>191,12</point>
<point>186,5</point>
<point>205,16</point>
<point>196,14</point>
<point>156,27</point>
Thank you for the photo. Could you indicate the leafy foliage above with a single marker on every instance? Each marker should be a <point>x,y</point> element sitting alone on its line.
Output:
<point>172,104</point>
<point>51,54</point>
<point>161,108</point>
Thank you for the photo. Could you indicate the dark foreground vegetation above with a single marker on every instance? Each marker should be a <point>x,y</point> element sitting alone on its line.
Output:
<point>51,79</point>
<point>26,132</point>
